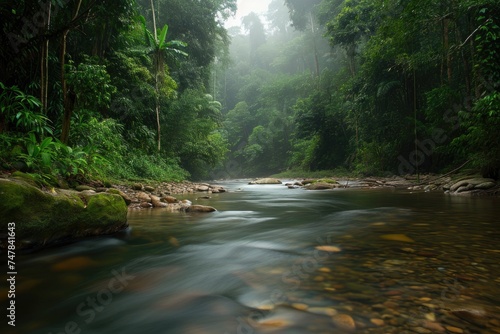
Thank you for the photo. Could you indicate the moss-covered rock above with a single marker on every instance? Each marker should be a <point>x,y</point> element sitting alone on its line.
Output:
<point>44,217</point>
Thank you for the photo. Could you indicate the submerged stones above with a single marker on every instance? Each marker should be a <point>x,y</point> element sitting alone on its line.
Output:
<point>330,249</point>
<point>345,322</point>
<point>397,237</point>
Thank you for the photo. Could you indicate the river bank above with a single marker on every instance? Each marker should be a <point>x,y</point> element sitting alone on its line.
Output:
<point>65,215</point>
<point>460,184</point>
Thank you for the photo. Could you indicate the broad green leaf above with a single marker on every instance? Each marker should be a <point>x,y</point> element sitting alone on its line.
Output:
<point>162,36</point>
<point>46,158</point>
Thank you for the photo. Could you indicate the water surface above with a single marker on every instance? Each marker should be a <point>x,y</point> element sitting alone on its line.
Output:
<point>277,260</point>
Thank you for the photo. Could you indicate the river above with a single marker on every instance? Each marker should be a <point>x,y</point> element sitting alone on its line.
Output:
<point>277,260</point>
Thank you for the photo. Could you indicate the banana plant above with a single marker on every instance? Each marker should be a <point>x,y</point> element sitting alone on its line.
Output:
<point>159,48</point>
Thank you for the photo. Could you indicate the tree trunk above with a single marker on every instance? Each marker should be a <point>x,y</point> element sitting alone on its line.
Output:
<point>68,101</point>
<point>447,48</point>
<point>316,61</point>
<point>44,61</point>
<point>154,20</point>
<point>351,56</point>
<point>157,70</point>
<point>157,108</point>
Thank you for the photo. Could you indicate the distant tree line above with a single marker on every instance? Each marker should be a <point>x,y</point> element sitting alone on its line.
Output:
<point>367,86</point>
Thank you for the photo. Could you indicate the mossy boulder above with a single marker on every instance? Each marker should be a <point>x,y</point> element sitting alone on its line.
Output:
<point>46,217</point>
<point>320,186</point>
<point>267,180</point>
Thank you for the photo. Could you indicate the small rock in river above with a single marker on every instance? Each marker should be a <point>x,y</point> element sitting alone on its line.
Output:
<point>377,322</point>
<point>323,310</point>
<point>433,326</point>
<point>397,237</point>
<point>421,330</point>
<point>300,306</point>
<point>394,262</point>
<point>454,329</point>
<point>143,197</point>
<point>331,249</point>
<point>344,321</point>
<point>200,208</point>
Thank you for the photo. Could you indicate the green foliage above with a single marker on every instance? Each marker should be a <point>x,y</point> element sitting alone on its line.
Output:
<point>481,143</point>
<point>303,153</point>
<point>91,84</point>
<point>375,158</point>
<point>138,165</point>
<point>193,133</point>
<point>51,157</point>
<point>20,111</point>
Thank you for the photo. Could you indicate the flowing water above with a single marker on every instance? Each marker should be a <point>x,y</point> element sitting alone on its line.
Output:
<point>277,260</point>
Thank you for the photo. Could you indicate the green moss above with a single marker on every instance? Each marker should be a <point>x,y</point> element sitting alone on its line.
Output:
<point>106,208</point>
<point>29,178</point>
<point>113,191</point>
<point>330,181</point>
<point>43,217</point>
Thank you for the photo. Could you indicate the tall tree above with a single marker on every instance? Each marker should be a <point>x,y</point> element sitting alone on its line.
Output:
<point>159,48</point>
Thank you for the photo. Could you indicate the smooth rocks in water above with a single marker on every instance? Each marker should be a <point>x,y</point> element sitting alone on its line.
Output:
<point>485,185</point>
<point>143,197</point>
<point>157,203</point>
<point>267,180</point>
<point>345,322</point>
<point>397,237</point>
<point>200,208</point>
<point>169,199</point>
<point>331,249</point>
<point>469,184</point>
<point>203,188</point>
<point>320,186</point>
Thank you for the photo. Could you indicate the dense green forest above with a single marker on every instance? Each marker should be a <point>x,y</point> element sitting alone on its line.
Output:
<point>161,90</point>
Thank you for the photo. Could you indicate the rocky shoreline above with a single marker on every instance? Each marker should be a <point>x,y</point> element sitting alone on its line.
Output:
<point>139,196</point>
<point>468,185</point>
<point>48,215</point>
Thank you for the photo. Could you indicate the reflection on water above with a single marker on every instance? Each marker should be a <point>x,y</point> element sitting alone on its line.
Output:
<point>276,260</point>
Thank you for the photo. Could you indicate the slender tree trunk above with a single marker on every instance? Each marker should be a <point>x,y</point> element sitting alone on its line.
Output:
<point>467,71</point>
<point>154,20</point>
<point>351,56</point>
<point>316,61</point>
<point>157,109</point>
<point>44,62</point>
<point>447,48</point>
<point>157,70</point>
<point>68,101</point>
<point>415,120</point>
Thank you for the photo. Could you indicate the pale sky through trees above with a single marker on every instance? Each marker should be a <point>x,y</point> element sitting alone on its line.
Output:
<point>245,7</point>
